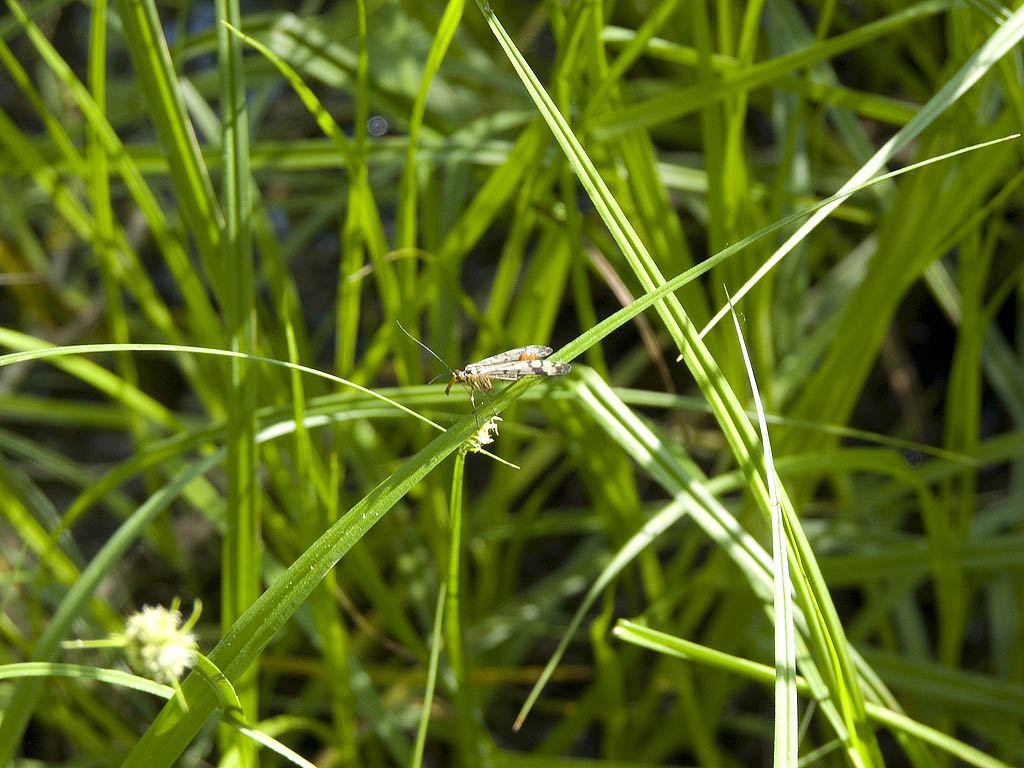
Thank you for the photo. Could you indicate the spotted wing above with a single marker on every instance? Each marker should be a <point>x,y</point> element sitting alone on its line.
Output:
<point>530,352</point>
<point>517,369</point>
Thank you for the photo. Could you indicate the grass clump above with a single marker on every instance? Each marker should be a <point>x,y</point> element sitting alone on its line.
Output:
<point>214,227</point>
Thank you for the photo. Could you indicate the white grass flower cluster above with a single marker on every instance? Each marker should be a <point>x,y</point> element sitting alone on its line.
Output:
<point>157,646</point>
<point>482,436</point>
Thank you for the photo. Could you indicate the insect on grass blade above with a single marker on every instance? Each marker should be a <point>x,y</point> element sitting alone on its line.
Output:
<point>504,366</point>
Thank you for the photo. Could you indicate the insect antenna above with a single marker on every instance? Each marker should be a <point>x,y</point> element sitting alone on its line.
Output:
<point>455,377</point>
<point>434,354</point>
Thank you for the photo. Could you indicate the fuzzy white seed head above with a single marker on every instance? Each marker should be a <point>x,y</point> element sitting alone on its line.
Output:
<point>156,645</point>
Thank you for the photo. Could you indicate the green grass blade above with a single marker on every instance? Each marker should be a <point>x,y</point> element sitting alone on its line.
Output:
<point>678,102</point>
<point>172,730</point>
<point>143,35</point>
<point>25,697</point>
<point>786,726</point>
<point>428,691</point>
<point>664,643</point>
<point>242,544</point>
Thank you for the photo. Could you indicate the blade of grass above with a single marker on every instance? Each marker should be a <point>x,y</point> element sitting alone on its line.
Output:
<point>664,643</point>
<point>682,101</point>
<point>361,200</point>
<point>428,691</point>
<point>786,740</point>
<point>627,554</point>
<point>241,546</point>
<point>172,730</point>
<point>128,266</point>
<point>25,697</point>
<point>359,209</point>
<point>721,526</point>
<point>143,35</point>
<point>88,371</point>
<point>407,191</point>
<point>471,738</point>
<point>1003,40</point>
<point>827,636</point>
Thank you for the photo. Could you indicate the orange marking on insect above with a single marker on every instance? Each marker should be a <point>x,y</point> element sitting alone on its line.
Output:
<point>504,366</point>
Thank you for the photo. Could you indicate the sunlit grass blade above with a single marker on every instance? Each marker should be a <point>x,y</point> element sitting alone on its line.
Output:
<point>665,643</point>
<point>786,727</point>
